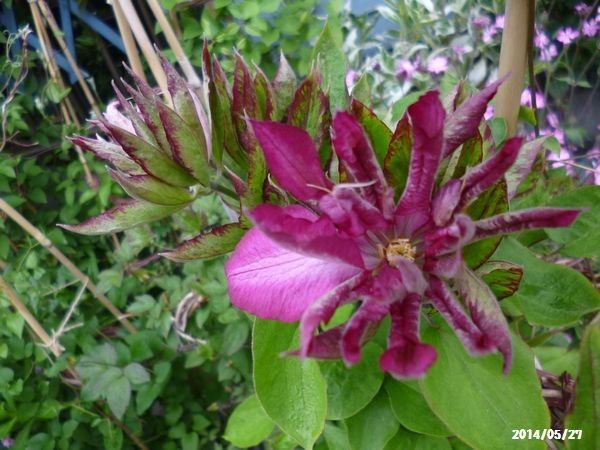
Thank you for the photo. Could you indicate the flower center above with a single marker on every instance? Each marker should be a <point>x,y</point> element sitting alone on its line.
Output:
<point>397,247</point>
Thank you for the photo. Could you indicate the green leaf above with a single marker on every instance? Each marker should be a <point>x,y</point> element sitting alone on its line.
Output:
<point>332,61</point>
<point>284,85</point>
<point>550,294</point>
<point>499,130</point>
<point>373,426</point>
<point>150,189</point>
<point>100,384</point>
<point>476,401</point>
<point>557,360</point>
<point>411,409</point>
<point>351,389</point>
<point>362,90</point>
<point>336,437</point>
<point>127,214</point>
<point>248,424</point>
<point>400,107</point>
<point>377,131</point>
<point>136,373</point>
<point>405,439</point>
<point>293,393</point>
<point>218,241</point>
<point>582,238</point>
<point>397,159</point>
<point>118,396</point>
<point>586,412</point>
<point>502,277</point>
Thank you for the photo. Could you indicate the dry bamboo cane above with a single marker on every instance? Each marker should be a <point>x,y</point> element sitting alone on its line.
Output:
<point>66,108</point>
<point>47,243</point>
<point>144,42</point>
<point>182,59</point>
<point>130,48</point>
<point>51,21</point>
<point>513,60</point>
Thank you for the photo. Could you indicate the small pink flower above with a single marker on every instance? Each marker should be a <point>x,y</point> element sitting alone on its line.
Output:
<point>582,9</point>
<point>553,120</point>
<point>499,22</point>
<point>481,22</point>
<point>352,77</point>
<point>548,53</point>
<point>437,64</point>
<point>489,112</point>
<point>405,69</point>
<point>567,35</point>
<point>488,34</point>
<point>526,99</point>
<point>459,50</point>
<point>590,28</point>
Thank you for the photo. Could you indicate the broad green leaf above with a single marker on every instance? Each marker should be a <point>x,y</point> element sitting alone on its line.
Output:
<point>293,393</point>
<point>248,424</point>
<point>502,277</point>
<point>521,168</point>
<point>264,94</point>
<point>150,189</point>
<point>362,90</point>
<point>218,241</point>
<point>586,412</point>
<point>112,435</point>
<point>336,437</point>
<point>136,373</point>
<point>118,396</point>
<point>377,131</point>
<point>101,383</point>
<point>400,107</point>
<point>490,202</point>
<point>550,294</point>
<point>351,389</point>
<point>127,214</point>
<point>476,401</point>
<point>332,61</point>
<point>284,85</point>
<point>557,360</point>
<point>411,409</point>
<point>406,439</point>
<point>582,238</point>
<point>373,426</point>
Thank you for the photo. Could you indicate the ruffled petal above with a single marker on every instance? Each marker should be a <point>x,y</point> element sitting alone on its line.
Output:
<point>524,219</point>
<point>271,282</point>
<point>450,238</point>
<point>292,158</point>
<point>445,202</point>
<point>300,230</point>
<point>364,320</point>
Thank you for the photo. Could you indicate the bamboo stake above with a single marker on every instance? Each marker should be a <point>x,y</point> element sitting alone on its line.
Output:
<point>51,21</point>
<point>130,48</point>
<point>47,243</point>
<point>144,42</point>
<point>513,60</point>
<point>182,59</point>
<point>37,328</point>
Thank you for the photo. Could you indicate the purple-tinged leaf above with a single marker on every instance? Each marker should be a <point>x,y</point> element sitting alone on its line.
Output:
<point>397,158</point>
<point>244,104</point>
<point>525,219</point>
<point>300,230</point>
<point>524,164</point>
<point>284,85</point>
<point>271,282</point>
<point>486,313</point>
<point>359,161</point>
<point>492,170</point>
<point>292,158</point>
<point>216,242</point>
<point>463,123</point>
<point>188,146</point>
<point>502,277</point>
<point>406,356</point>
<point>470,155</point>
<point>456,97</point>
<point>377,131</point>
<point>151,159</point>
<point>125,215</point>
<point>147,188</point>
<point>109,152</point>
<point>265,95</point>
<point>255,179</point>
<point>474,340</point>
<point>427,118</point>
<point>325,345</point>
<point>140,127</point>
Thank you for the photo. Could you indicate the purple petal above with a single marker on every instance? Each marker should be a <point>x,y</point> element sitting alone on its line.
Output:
<point>481,177</point>
<point>462,124</point>
<point>406,357</point>
<point>298,229</point>
<point>474,340</point>
<point>445,201</point>
<point>350,212</point>
<point>450,238</point>
<point>109,152</point>
<point>323,309</point>
<point>444,266</point>
<point>271,282</point>
<point>427,116</point>
<point>326,345</point>
<point>368,315</point>
<point>524,219</point>
<point>356,154</point>
<point>292,158</point>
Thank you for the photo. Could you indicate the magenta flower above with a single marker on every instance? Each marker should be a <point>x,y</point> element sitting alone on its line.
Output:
<point>349,242</point>
<point>567,35</point>
<point>437,65</point>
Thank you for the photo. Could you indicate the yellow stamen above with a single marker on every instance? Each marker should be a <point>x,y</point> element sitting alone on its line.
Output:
<point>397,247</point>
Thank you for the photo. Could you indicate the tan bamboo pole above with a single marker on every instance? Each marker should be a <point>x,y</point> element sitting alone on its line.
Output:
<point>66,108</point>
<point>182,59</point>
<point>51,21</point>
<point>130,48</point>
<point>513,60</point>
<point>47,243</point>
<point>144,42</point>
<point>37,328</point>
